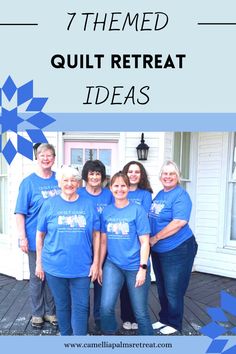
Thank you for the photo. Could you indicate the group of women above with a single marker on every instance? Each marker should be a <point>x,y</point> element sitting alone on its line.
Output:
<point>106,236</point>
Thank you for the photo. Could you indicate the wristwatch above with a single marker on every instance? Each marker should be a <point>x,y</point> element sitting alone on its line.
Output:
<point>144,266</point>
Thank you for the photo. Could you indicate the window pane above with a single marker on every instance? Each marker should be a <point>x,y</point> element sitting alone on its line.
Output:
<point>105,157</point>
<point>234,159</point>
<point>182,153</point>
<point>90,154</point>
<point>233,209</point>
<point>177,148</point>
<point>76,157</point>
<point>185,155</point>
<point>233,215</point>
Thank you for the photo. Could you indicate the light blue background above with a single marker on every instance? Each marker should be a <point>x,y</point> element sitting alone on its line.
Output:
<point>205,84</point>
<point>46,344</point>
<point>199,97</point>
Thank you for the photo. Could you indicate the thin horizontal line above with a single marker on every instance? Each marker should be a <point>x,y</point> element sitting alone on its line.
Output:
<point>18,24</point>
<point>217,23</point>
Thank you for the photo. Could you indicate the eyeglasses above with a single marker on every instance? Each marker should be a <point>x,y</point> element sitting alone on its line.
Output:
<point>168,174</point>
<point>45,156</point>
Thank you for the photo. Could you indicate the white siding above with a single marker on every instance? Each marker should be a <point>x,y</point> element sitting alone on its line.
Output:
<point>210,206</point>
<point>12,261</point>
<point>156,143</point>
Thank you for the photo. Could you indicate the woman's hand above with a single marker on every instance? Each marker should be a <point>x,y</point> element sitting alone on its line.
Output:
<point>39,271</point>
<point>93,272</point>
<point>100,276</point>
<point>153,240</point>
<point>140,277</point>
<point>24,245</point>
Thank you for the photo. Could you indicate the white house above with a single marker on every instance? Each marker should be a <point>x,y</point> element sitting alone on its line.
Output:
<point>207,161</point>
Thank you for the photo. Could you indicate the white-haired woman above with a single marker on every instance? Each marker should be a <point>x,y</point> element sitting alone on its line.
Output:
<point>173,247</point>
<point>68,231</point>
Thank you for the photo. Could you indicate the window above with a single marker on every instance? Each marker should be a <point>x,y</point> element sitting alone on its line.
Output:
<point>3,190</point>
<point>232,192</point>
<point>78,152</point>
<point>182,155</point>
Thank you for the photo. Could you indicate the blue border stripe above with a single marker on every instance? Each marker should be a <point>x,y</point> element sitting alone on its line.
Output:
<point>143,121</point>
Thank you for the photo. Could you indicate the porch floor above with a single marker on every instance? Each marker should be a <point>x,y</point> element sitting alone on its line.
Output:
<point>203,291</point>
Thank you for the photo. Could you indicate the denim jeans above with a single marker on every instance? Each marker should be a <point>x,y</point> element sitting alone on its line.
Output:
<point>72,303</point>
<point>113,280</point>
<point>126,312</point>
<point>173,270</point>
<point>97,300</point>
<point>41,298</point>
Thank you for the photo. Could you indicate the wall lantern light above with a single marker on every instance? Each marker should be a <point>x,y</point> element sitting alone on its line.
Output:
<point>142,149</point>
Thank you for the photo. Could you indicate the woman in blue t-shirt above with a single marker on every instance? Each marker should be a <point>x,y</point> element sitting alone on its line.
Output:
<point>34,190</point>
<point>140,192</point>
<point>67,242</point>
<point>173,247</point>
<point>94,175</point>
<point>125,241</point>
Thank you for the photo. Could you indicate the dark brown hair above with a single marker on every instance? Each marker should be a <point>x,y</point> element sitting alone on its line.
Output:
<point>144,180</point>
<point>93,166</point>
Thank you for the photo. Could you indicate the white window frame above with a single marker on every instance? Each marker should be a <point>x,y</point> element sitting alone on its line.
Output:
<point>190,182</point>
<point>228,243</point>
<point>180,163</point>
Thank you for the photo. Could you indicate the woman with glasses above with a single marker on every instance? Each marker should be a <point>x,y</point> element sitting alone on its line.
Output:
<point>68,240</point>
<point>33,191</point>
<point>173,247</point>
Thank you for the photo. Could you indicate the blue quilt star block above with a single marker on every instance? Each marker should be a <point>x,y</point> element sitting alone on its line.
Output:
<point>217,346</point>
<point>9,152</point>
<point>25,93</point>
<point>9,88</point>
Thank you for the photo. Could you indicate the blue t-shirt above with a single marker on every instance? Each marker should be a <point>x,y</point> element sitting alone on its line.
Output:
<point>69,226</point>
<point>123,226</point>
<point>167,206</point>
<point>33,191</point>
<point>141,197</point>
<point>99,201</point>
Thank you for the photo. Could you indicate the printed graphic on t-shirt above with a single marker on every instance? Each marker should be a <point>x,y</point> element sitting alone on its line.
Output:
<point>135,200</point>
<point>72,221</point>
<point>157,207</point>
<point>100,208</point>
<point>118,228</point>
<point>50,193</point>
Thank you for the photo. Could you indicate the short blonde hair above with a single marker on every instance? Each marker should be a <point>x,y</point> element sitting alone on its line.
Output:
<point>43,147</point>
<point>175,167</point>
<point>68,171</point>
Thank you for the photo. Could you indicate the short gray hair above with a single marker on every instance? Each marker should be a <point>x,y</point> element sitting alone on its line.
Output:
<point>68,170</point>
<point>174,165</point>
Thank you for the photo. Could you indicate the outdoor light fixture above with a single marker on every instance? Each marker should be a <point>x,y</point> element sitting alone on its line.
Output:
<point>142,149</point>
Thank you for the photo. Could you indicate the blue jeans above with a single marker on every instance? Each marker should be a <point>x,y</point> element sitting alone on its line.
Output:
<point>126,312</point>
<point>113,280</point>
<point>41,298</point>
<point>173,270</point>
<point>97,300</point>
<point>71,296</point>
